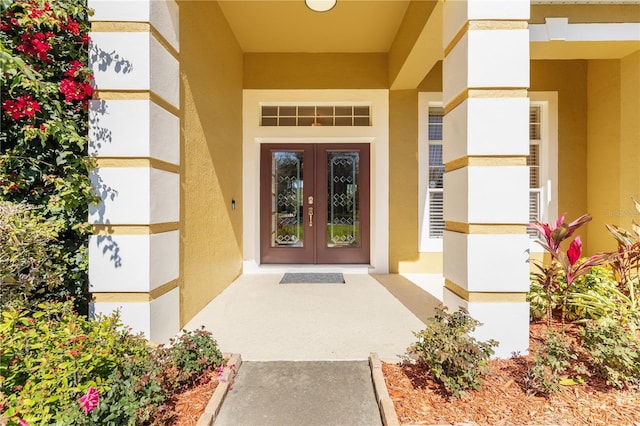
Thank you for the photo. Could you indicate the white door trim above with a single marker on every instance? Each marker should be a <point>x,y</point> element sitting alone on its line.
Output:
<point>377,135</point>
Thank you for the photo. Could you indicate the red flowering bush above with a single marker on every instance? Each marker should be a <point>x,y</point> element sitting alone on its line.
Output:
<point>46,86</point>
<point>22,106</point>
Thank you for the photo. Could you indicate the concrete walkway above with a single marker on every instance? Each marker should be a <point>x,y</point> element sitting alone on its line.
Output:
<point>266,321</point>
<point>301,393</point>
<point>305,346</point>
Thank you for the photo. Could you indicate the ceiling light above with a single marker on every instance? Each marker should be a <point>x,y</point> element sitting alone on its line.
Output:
<point>320,5</point>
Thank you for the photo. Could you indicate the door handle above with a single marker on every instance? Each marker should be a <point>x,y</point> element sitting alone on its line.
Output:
<point>310,212</point>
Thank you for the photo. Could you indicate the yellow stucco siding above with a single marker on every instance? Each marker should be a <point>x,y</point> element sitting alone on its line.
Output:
<point>603,147</point>
<point>614,146</point>
<point>415,18</point>
<point>569,79</point>
<point>433,80</point>
<point>629,137</point>
<point>599,140</point>
<point>315,71</point>
<point>403,182</point>
<point>211,176</point>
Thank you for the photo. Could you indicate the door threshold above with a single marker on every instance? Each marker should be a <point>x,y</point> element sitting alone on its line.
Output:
<point>253,268</point>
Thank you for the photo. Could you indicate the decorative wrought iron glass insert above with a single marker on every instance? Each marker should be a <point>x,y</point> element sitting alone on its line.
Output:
<point>343,229</point>
<point>315,115</point>
<point>287,225</point>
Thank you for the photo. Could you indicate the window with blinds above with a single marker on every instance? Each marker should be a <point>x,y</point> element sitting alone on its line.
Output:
<point>533,161</point>
<point>436,172</point>
<point>435,196</point>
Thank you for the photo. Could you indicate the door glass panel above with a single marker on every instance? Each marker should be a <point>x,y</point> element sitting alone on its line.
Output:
<point>287,222</point>
<point>343,227</point>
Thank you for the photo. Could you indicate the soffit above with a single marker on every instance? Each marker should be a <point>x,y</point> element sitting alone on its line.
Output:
<point>288,26</point>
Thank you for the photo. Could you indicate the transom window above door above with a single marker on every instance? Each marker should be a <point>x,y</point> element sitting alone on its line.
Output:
<point>315,115</point>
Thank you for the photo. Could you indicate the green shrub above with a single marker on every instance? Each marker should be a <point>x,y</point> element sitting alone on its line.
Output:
<point>598,295</point>
<point>192,353</point>
<point>548,364</point>
<point>614,351</point>
<point>51,357</point>
<point>134,394</point>
<point>451,355</point>
<point>26,254</point>
<point>541,293</point>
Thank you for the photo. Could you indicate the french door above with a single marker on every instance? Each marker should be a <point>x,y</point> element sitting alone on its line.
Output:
<point>314,203</point>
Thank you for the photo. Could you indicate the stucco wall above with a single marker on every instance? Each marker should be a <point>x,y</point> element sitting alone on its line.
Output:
<point>315,71</point>
<point>403,178</point>
<point>211,77</point>
<point>404,256</point>
<point>599,140</point>
<point>613,146</point>
<point>629,138</point>
<point>433,80</point>
<point>569,79</point>
<point>603,147</point>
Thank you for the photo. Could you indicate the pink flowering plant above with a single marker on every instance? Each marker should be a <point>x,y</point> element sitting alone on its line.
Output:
<point>46,87</point>
<point>90,400</point>
<point>58,367</point>
<point>562,262</point>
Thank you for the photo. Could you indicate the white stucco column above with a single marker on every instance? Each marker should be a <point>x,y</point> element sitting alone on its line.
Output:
<point>134,254</point>
<point>486,182</point>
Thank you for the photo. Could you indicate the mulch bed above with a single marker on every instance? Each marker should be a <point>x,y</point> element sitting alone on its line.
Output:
<point>503,400</point>
<point>190,404</point>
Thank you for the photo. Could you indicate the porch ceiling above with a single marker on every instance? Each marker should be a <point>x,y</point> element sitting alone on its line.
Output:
<point>288,26</point>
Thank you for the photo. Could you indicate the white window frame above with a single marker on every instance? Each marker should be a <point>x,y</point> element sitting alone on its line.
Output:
<point>425,100</point>
<point>548,104</point>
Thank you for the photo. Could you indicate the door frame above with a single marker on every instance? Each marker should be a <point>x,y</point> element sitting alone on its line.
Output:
<point>315,249</point>
<point>376,135</point>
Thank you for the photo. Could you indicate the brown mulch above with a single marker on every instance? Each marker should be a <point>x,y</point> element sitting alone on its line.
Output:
<point>191,403</point>
<point>503,399</point>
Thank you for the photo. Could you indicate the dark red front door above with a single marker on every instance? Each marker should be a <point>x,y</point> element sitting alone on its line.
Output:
<point>314,203</point>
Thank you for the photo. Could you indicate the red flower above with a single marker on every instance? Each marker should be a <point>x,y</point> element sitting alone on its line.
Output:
<point>72,26</point>
<point>575,250</point>
<point>37,44</point>
<point>36,13</point>
<point>74,91</point>
<point>85,38</point>
<point>23,106</point>
<point>73,69</point>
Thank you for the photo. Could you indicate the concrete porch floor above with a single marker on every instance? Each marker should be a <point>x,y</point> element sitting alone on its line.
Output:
<point>266,321</point>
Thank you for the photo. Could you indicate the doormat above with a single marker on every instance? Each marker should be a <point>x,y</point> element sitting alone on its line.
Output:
<point>312,278</point>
